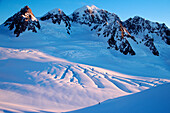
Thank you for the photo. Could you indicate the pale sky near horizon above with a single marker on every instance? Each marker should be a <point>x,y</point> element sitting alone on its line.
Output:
<point>154,10</point>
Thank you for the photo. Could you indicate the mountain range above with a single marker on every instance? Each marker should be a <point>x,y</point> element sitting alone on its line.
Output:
<point>62,63</point>
<point>120,34</point>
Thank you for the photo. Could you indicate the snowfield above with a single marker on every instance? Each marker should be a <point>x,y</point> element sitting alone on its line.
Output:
<point>154,100</point>
<point>51,71</point>
<point>34,82</point>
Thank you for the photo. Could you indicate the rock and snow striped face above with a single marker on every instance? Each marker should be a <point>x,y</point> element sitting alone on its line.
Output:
<point>139,25</point>
<point>22,21</point>
<point>57,16</point>
<point>120,35</point>
<point>92,15</point>
<point>148,32</point>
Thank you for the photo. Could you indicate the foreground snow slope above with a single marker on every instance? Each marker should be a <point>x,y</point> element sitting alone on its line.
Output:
<point>154,100</point>
<point>34,81</point>
<point>55,72</point>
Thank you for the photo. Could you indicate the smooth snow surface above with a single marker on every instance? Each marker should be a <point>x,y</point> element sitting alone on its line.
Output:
<point>51,71</point>
<point>154,100</point>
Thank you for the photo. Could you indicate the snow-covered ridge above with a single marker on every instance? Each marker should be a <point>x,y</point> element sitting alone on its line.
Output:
<point>57,16</point>
<point>121,36</point>
<point>92,15</point>
<point>139,25</point>
<point>55,11</point>
<point>82,9</point>
<point>105,24</point>
<point>148,32</point>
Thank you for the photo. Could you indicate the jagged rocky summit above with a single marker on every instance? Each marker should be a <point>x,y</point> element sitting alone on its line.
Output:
<point>148,31</point>
<point>58,16</point>
<point>22,21</point>
<point>119,33</point>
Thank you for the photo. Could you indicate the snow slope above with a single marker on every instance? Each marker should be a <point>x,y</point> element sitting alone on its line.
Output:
<point>89,49</point>
<point>51,71</point>
<point>154,100</point>
<point>33,81</point>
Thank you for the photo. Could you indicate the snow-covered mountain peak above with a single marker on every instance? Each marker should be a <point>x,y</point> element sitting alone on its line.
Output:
<point>86,7</point>
<point>137,17</point>
<point>89,15</point>
<point>139,25</point>
<point>57,16</point>
<point>137,20</point>
<point>94,7</point>
<point>55,11</point>
<point>26,12</point>
<point>22,20</point>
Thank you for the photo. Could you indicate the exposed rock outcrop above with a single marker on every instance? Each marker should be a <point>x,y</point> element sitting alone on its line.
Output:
<point>22,21</point>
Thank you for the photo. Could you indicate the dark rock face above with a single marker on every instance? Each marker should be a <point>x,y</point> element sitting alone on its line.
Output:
<point>22,20</point>
<point>147,29</point>
<point>124,46</point>
<point>149,42</point>
<point>56,16</point>
<point>108,27</point>
<point>106,24</point>
<point>119,41</point>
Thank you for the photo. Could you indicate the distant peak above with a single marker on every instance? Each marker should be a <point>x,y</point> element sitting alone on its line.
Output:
<point>26,9</point>
<point>138,17</point>
<point>56,11</point>
<point>22,20</point>
<point>94,7</point>
<point>26,12</point>
<point>86,7</point>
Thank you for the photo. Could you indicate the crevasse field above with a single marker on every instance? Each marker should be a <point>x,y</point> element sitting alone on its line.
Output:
<point>51,71</point>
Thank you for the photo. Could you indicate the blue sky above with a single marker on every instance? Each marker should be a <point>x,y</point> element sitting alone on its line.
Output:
<point>154,10</point>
